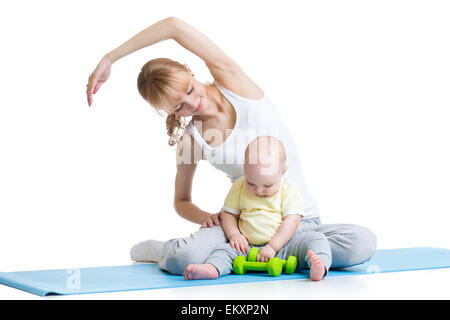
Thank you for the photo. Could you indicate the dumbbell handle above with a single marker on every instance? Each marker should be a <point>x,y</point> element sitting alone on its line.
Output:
<point>261,266</point>
<point>255,266</point>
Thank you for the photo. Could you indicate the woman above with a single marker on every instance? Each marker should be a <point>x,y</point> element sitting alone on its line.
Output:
<point>226,115</point>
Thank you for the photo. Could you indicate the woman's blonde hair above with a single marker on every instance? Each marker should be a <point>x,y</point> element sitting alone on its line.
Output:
<point>162,82</point>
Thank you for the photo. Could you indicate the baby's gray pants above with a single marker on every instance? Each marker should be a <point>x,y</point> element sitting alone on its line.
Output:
<point>338,245</point>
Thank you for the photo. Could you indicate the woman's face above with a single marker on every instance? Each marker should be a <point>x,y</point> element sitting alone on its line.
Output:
<point>193,101</point>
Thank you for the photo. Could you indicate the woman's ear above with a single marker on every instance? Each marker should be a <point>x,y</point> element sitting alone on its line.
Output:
<point>187,69</point>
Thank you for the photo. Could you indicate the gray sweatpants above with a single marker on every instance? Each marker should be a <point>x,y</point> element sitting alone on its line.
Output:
<point>338,245</point>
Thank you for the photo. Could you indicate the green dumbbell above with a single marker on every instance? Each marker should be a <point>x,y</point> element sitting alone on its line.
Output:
<point>274,267</point>
<point>289,265</point>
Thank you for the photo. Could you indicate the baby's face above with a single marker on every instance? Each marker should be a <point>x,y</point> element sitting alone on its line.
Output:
<point>260,183</point>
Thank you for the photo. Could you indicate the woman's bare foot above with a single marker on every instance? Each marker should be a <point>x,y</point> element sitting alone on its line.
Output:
<point>200,271</point>
<point>317,270</point>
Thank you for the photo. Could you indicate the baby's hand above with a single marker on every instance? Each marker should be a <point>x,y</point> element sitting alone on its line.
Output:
<point>239,242</point>
<point>266,253</point>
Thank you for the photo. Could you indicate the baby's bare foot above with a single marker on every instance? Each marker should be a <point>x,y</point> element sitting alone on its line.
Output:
<point>317,270</point>
<point>200,271</point>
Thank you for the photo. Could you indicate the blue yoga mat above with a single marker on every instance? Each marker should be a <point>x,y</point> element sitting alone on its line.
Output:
<point>149,276</point>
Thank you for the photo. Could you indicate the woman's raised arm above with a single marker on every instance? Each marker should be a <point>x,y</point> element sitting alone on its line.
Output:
<point>162,30</point>
<point>176,29</point>
<point>222,67</point>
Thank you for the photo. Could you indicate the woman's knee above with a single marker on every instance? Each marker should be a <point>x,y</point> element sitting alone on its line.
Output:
<point>353,245</point>
<point>365,243</point>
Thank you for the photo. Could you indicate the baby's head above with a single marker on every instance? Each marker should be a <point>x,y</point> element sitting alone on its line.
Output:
<point>265,165</point>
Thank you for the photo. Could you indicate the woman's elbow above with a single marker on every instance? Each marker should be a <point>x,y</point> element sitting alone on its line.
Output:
<point>182,208</point>
<point>177,207</point>
<point>174,21</point>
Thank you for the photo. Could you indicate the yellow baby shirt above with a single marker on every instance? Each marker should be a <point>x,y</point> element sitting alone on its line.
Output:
<point>260,217</point>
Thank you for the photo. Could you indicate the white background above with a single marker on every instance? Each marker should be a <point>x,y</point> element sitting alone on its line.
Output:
<point>362,85</point>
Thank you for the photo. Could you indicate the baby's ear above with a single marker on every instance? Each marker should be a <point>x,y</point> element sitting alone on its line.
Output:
<point>284,169</point>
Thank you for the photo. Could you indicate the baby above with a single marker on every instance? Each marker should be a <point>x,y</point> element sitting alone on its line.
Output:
<point>261,210</point>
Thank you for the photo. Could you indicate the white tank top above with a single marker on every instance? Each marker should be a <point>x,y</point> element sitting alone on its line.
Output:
<point>254,118</point>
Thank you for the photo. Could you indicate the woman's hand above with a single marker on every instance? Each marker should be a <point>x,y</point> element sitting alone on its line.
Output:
<point>213,220</point>
<point>98,77</point>
<point>239,242</point>
<point>266,253</point>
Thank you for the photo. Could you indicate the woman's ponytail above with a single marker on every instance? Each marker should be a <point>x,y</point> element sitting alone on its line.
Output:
<point>175,127</point>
